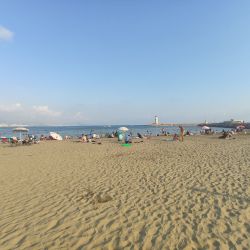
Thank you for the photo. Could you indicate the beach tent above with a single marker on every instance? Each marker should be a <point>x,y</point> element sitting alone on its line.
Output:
<point>21,131</point>
<point>55,136</point>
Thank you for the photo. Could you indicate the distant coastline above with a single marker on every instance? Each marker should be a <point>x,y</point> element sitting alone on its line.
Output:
<point>226,125</point>
<point>171,124</point>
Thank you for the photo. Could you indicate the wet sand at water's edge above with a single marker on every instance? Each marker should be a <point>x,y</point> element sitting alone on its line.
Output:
<point>154,195</point>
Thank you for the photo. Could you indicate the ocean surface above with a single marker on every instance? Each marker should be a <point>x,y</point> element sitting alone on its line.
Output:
<point>77,131</point>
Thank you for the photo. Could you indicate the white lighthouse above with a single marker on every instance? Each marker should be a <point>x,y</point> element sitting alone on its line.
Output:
<point>156,120</point>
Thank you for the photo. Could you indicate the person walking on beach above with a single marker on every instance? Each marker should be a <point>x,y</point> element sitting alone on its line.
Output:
<point>181,133</point>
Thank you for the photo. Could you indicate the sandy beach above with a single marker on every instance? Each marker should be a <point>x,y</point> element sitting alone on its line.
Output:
<point>154,195</point>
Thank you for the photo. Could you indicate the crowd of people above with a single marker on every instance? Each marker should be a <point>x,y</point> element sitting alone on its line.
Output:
<point>127,137</point>
<point>27,140</point>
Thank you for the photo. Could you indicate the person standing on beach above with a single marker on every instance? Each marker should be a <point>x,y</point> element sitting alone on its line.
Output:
<point>181,133</point>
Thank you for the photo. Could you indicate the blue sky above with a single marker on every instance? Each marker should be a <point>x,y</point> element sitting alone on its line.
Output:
<point>122,62</point>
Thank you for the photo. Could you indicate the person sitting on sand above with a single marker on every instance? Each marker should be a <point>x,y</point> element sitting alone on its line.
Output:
<point>225,135</point>
<point>84,138</point>
<point>175,137</point>
<point>140,135</point>
<point>128,139</point>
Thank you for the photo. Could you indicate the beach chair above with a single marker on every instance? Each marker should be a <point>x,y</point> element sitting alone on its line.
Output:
<point>14,141</point>
<point>4,140</point>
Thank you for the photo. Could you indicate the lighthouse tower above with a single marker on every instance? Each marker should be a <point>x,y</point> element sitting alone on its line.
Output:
<point>156,120</point>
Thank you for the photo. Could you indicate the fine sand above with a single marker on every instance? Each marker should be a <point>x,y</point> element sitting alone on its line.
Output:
<point>154,195</point>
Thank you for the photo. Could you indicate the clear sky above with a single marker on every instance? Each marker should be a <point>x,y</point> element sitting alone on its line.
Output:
<point>122,62</point>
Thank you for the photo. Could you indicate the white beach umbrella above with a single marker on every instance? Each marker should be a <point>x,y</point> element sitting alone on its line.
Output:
<point>205,128</point>
<point>55,136</point>
<point>123,129</point>
<point>20,130</point>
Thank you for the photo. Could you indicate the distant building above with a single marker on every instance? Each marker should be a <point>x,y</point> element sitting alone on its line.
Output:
<point>233,121</point>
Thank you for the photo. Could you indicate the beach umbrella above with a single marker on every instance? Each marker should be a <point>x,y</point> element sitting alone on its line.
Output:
<point>123,129</point>
<point>121,133</point>
<point>240,127</point>
<point>20,130</point>
<point>55,136</point>
<point>205,128</point>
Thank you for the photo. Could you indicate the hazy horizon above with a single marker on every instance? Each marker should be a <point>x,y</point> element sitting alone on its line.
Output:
<point>123,62</point>
<point>100,124</point>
